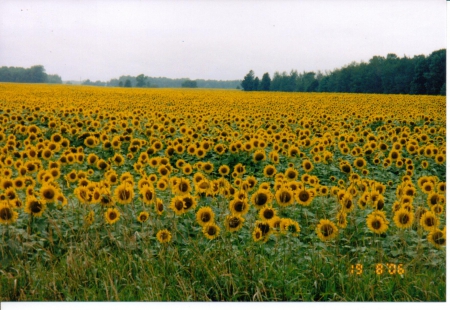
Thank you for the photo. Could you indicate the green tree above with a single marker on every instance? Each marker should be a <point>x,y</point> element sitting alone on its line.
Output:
<point>256,84</point>
<point>265,82</point>
<point>248,82</point>
<point>140,80</point>
<point>127,83</point>
<point>189,84</point>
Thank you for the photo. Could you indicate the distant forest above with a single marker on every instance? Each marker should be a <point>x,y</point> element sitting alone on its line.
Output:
<point>35,74</point>
<point>154,82</point>
<point>419,75</point>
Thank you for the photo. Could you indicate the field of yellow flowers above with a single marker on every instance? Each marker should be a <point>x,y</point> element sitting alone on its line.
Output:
<point>175,194</point>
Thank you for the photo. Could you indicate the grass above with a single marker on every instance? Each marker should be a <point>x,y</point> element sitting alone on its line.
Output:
<point>128,264</point>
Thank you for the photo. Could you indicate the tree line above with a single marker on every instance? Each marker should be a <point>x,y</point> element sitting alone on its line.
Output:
<point>163,82</point>
<point>35,74</point>
<point>420,75</point>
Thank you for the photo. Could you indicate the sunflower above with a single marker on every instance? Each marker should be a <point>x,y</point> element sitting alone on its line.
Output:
<point>143,216</point>
<point>211,231</point>
<point>307,166</point>
<point>48,192</point>
<point>326,230</point>
<point>437,209</point>
<point>304,196</point>
<point>112,215</point>
<point>34,206</point>
<point>347,202</point>
<point>102,164</point>
<point>434,199</point>
<point>291,174</point>
<point>259,156</point>
<point>289,225</point>
<point>439,159</point>
<point>265,228</point>
<point>189,202</point>
<point>437,238</point>
<point>376,223</point>
<point>164,236</point>
<point>269,171</point>
<point>182,187</point>
<point>124,193</point>
<point>403,218</point>
<point>89,218</point>
<point>239,206</point>
<point>224,170</point>
<point>177,205</point>
<point>208,167</point>
<point>257,234</point>
<point>187,169</point>
<point>7,214</point>
<point>239,169</point>
<point>205,216</point>
<point>234,222</point>
<point>429,221</point>
<point>341,218</point>
<point>159,206</point>
<point>284,196</point>
<point>345,167</point>
<point>359,163</point>
<point>267,213</point>
<point>147,193</point>
<point>200,152</point>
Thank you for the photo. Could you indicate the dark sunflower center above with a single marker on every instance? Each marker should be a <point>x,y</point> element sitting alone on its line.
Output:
<point>179,205</point>
<point>112,215</point>
<point>206,217</point>
<point>259,157</point>
<point>346,168</point>
<point>239,206</point>
<point>285,197</point>
<point>434,199</point>
<point>268,214</point>
<point>148,195</point>
<point>211,230</point>
<point>376,224</point>
<point>125,194</point>
<point>438,238</point>
<point>183,187</point>
<point>49,193</point>
<point>6,214</point>
<point>261,199</point>
<point>303,196</point>
<point>292,175</point>
<point>160,207</point>
<point>430,221</point>
<point>326,230</point>
<point>264,228</point>
<point>36,207</point>
<point>234,222</point>
<point>188,202</point>
<point>404,219</point>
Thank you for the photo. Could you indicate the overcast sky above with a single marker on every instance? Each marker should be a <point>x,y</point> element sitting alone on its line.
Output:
<point>215,39</point>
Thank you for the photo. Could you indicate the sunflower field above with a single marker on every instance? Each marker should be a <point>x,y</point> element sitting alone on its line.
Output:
<point>175,194</point>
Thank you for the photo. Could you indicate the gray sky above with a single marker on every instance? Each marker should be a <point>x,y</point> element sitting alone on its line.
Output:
<point>213,39</point>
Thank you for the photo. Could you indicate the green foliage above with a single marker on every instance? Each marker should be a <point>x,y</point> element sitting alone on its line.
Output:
<point>140,80</point>
<point>265,82</point>
<point>35,74</point>
<point>419,75</point>
<point>189,84</point>
<point>249,81</point>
